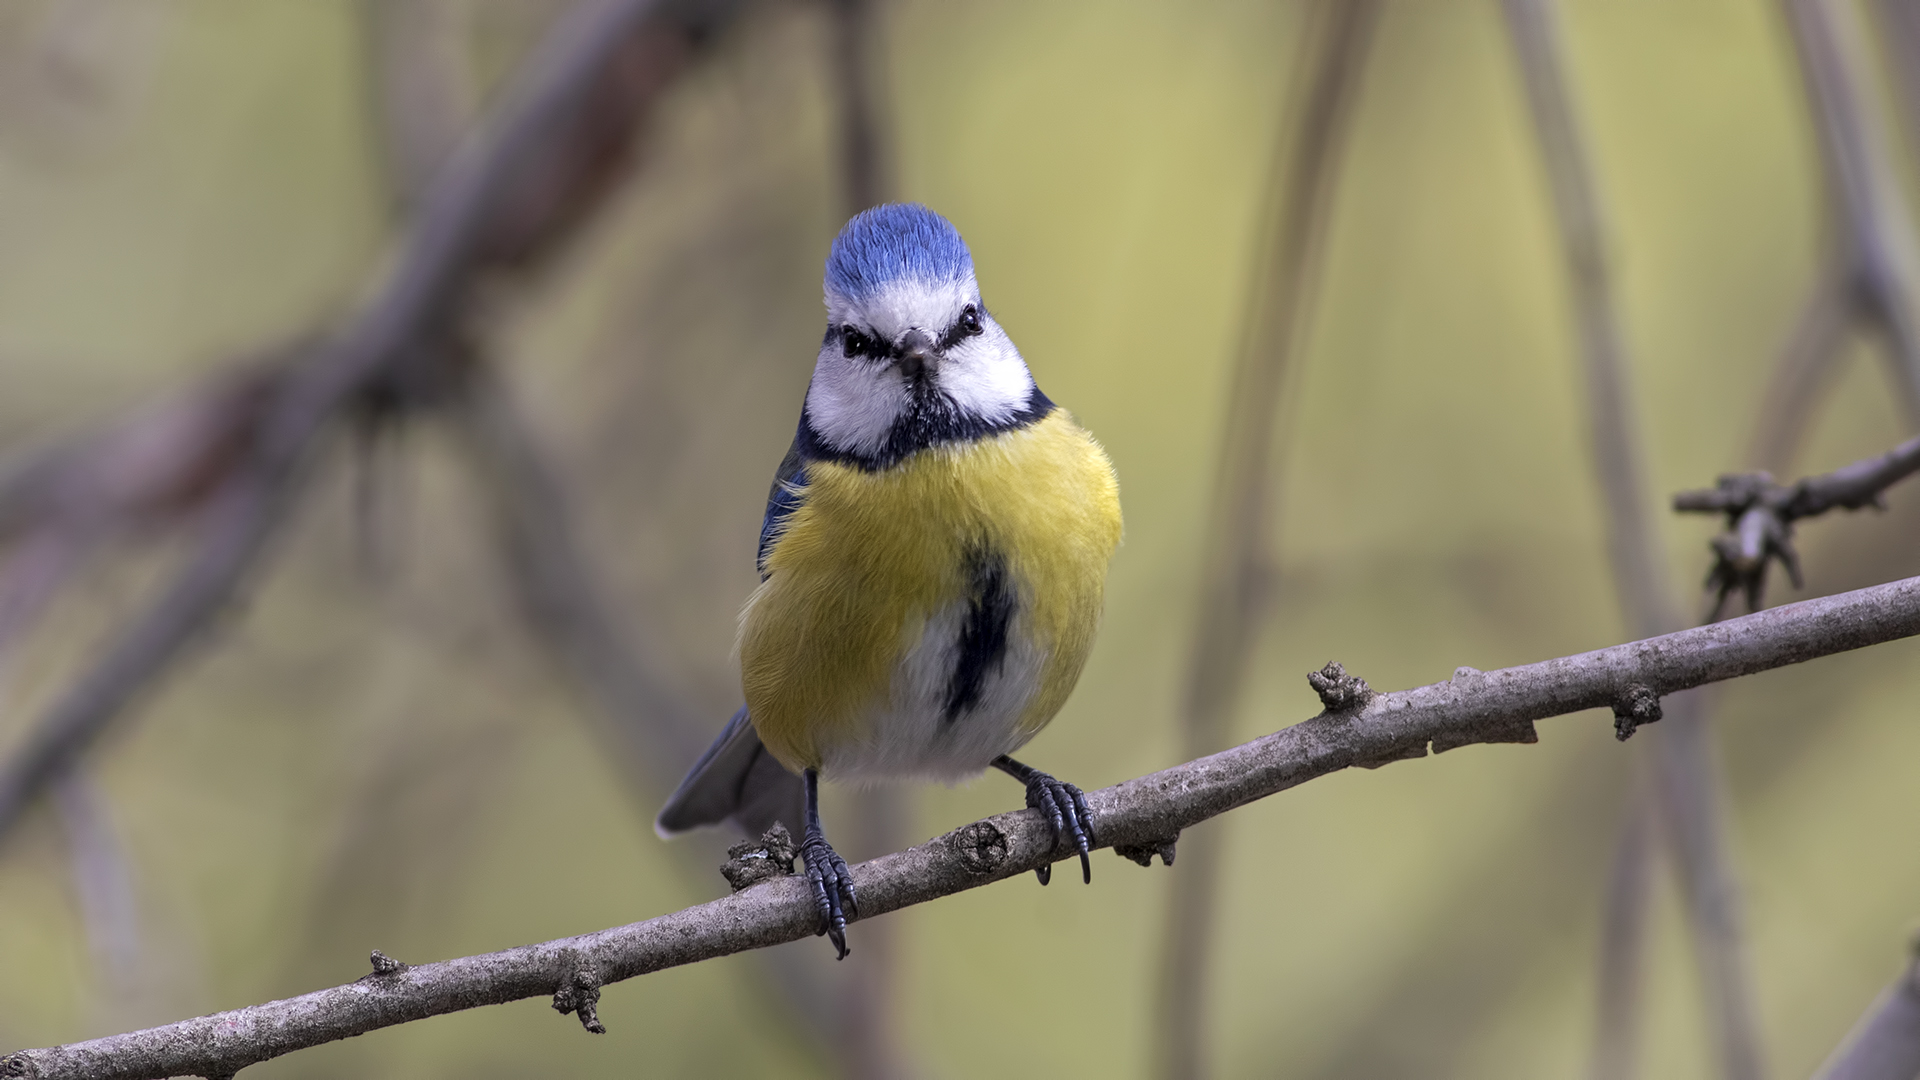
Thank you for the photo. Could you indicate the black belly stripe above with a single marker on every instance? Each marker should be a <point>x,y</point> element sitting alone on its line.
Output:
<point>983,636</point>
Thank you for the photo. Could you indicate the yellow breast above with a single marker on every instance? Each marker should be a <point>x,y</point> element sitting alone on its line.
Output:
<point>869,557</point>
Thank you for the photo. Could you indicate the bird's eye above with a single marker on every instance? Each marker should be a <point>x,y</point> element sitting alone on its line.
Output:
<point>856,343</point>
<point>970,320</point>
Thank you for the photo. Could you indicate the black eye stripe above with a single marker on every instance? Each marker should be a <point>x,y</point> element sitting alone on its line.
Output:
<point>856,343</point>
<point>967,325</point>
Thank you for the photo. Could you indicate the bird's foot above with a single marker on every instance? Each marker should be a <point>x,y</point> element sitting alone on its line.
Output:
<point>1065,807</point>
<point>832,886</point>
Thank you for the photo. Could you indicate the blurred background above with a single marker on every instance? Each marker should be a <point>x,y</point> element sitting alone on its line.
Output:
<point>395,739</point>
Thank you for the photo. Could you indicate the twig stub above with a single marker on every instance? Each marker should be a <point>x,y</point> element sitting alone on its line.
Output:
<point>751,862</point>
<point>1638,705</point>
<point>385,965</point>
<point>982,847</point>
<point>1338,690</point>
<point>1144,852</point>
<point>579,993</point>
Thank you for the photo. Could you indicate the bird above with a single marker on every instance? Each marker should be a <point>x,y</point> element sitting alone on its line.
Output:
<point>933,562</point>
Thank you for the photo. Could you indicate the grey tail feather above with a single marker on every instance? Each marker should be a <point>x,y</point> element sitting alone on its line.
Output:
<point>736,780</point>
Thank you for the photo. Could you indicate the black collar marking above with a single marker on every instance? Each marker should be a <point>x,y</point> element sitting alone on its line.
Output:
<point>933,420</point>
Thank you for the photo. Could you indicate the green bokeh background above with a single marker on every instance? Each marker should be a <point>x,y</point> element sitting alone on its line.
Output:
<point>385,760</point>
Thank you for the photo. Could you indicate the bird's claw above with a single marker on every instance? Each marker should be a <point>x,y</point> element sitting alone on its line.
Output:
<point>832,885</point>
<point>1065,807</point>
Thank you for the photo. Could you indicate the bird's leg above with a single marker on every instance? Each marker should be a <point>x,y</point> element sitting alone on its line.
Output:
<point>827,873</point>
<point>1065,807</point>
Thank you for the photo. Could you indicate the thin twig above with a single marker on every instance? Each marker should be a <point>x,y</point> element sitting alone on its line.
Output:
<point>1687,783</point>
<point>1236,552</point>
<point>1359,728</point>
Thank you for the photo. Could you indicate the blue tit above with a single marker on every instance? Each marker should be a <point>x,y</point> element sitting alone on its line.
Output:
<point>932,561</point>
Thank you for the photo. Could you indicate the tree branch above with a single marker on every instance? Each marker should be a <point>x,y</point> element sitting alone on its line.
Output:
<point>1359,728</point>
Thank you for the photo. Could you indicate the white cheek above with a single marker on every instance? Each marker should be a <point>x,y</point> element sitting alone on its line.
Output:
<point>986,377</point>
<point>854,403</point>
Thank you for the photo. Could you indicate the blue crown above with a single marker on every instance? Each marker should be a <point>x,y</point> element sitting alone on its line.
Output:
<point>897,240</point>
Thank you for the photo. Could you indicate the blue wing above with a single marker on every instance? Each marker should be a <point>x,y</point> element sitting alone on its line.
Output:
<point>789,491</point>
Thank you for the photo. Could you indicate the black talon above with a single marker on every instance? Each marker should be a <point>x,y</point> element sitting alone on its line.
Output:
<point>1082,817</point>
<point>828,874</point>
<point>1065,808</point>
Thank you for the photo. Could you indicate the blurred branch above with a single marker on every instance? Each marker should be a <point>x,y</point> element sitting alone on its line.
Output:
<point>1876,246</point>
<point>1625,911</point>
<point>857,73</point>
<point>1760,516</point>
<point>1900,25</point>
<point>427,97</point>
<point>1806,365</point>
<point>559,588</point>
<point>1359,727</point>
<point>1885,1044</point>
<point>561,592</point>
<point>109,907</point>
<point>425,109</point>
<point>1640,574</point>
<point>1235,551</point>
<point>1687,783</point>
<point>40,564</point>
<point>511,195</point>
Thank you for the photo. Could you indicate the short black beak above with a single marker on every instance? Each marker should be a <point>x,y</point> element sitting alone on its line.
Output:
<point>916,353</point>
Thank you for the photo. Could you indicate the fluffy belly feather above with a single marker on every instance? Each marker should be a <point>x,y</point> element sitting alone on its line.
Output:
<point>921,620</point>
